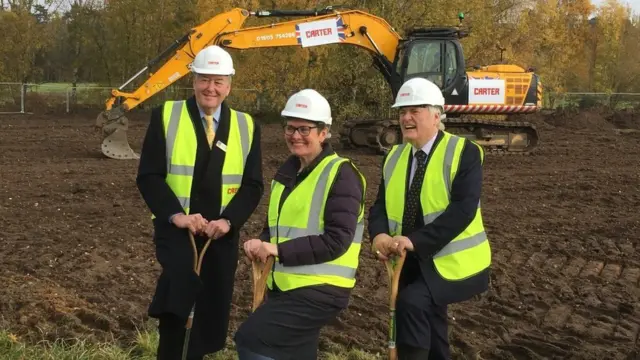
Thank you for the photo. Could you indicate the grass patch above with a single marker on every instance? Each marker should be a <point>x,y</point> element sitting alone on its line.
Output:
<point>143,348</point>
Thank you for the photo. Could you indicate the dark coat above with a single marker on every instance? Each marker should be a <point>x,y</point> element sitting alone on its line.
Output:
<point>428,240</point>
<point>178,286</point>
<point>340,218</point>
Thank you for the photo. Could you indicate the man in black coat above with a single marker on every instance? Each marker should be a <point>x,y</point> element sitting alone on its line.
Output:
<point>189,191</point>
<point>434,217</point>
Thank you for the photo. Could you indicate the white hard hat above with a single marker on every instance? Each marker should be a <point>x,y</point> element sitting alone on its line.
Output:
<point>308,104</point>
<point>419,91</point>
<point>213,60</point>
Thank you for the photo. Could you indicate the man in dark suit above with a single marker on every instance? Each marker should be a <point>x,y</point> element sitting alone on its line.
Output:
<point>201,172</point>
<point>428,207</point>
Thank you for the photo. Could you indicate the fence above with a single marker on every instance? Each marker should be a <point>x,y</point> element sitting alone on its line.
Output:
<point>17,98</point>
<point>12,97</point>
<point>614,101</point>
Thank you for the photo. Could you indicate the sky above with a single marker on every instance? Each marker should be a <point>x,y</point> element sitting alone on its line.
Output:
<point>635,4</point>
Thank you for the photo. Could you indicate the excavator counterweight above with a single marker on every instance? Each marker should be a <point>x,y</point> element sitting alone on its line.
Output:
<point>433,53</point>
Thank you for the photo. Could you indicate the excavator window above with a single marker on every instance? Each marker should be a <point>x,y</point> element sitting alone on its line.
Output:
<point>424,60</point>
<point>400,61</point>
<point>434,59</point>
<point>450,63</point>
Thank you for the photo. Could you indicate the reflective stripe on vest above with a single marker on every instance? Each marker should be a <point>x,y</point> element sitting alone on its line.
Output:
<point>468,253</point>
<point>181,143</point>
<point>302,214</point>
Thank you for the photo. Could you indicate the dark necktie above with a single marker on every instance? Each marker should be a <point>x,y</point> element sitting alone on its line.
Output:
<point>412,201</point>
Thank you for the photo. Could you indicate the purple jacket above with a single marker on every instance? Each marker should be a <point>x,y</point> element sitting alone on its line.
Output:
<point>340,214</point>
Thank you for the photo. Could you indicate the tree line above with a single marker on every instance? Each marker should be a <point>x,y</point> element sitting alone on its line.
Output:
<point>572,44</point>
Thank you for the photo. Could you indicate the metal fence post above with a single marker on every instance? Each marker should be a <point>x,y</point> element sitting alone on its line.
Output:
<point>23,90</point>
<point>258,99</point>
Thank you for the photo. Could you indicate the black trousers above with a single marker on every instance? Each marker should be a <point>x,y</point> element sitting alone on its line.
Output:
<point>421,325</point>
<point>287,325</point>
<point>172,330</point>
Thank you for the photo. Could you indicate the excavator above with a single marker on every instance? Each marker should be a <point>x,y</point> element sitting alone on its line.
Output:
<point>435,53</point>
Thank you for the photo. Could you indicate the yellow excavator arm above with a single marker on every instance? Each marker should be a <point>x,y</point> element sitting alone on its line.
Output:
<point>317,27</point>
<point>182,53</point>
<point>434,53</point>
<point>354,27</point>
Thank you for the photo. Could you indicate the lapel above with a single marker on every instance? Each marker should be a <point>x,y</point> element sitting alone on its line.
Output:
<point>222,135</point>
<point>196,120</point>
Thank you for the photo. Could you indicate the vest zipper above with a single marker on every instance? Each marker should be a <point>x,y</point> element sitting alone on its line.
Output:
<point>273,267</point>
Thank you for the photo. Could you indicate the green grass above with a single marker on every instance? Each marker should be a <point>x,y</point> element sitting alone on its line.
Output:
<point>144,348</point>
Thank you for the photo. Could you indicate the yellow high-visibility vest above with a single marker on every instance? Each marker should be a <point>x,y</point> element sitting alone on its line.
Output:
<point>302,214</point>
<point>468,253</point>
<point>182,146</point>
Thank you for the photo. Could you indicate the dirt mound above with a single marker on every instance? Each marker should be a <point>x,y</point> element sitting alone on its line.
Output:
<point>626,119</point>
<point>579,120</point>
<point>537,119</point>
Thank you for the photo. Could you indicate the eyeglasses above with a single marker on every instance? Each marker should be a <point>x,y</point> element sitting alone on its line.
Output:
<point>303,130</point>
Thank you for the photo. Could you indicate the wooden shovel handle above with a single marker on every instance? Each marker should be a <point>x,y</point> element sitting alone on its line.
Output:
<point>259,274</point>
<point>197,259</point>
<point>197,265</point>
<point>394,268</point>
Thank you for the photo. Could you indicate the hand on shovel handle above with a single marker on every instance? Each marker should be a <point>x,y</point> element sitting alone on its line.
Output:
<point>259,274</point>
<point>394,268</point>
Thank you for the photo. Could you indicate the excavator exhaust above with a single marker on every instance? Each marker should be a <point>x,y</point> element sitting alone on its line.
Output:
<point>114,125</point>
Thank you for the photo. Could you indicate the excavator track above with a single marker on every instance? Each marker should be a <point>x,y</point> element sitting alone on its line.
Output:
<point>496,137</point>
<point>378,135</point>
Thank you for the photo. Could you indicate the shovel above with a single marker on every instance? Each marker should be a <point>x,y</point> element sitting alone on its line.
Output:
<point>394,268</point>
<point>197,264</point>
<point>260,274</point>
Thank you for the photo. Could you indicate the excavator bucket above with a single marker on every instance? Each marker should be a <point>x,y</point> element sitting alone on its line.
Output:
<point>114,127</point>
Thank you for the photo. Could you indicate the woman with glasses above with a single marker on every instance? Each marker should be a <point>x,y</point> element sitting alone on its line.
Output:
<point>314,230</point>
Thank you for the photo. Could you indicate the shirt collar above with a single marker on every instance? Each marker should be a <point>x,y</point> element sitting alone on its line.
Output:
<point>216,114</point>
<point>427,147</point>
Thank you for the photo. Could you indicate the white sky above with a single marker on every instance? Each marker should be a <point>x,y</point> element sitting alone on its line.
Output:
<point>635,4</point>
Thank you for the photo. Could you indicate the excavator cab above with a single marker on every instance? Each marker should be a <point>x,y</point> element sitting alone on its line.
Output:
<point>436,55</point>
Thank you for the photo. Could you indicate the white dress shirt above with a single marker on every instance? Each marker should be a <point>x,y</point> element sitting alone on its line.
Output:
<point>414,162</point>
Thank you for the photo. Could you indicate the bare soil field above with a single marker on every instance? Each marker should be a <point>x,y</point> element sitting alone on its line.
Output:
<point>564,225</point>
